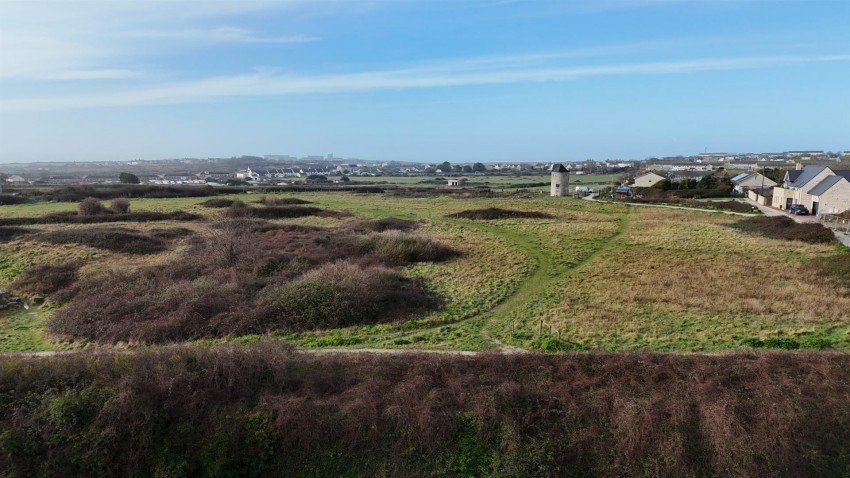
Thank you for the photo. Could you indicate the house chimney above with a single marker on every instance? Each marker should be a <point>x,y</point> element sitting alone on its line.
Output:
<point>799,165</point>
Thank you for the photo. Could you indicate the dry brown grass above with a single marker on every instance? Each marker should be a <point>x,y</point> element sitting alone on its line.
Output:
<point>252,411</point>
<point>669,281</point>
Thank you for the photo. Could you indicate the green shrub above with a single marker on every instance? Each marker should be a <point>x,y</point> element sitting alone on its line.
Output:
<point>399,247</point>
<point>119,205</point>
<point>342,294</point>
<point>91,207</point>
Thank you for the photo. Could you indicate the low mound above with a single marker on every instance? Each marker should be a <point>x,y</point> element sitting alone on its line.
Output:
<point>781,227</point>
<point>112,239</point>
<point>74,218</point>
<point>496,213</point>
<point>249,276</point>
<point>170,233</point>
<point>240,209</point>
<point>383,224</point>
<point>46,279</point>
<point>343,294</point>
<point>281,201</point>
<point>399,247</point>
<point>10,233</point>
<point>218,202</point>
<point>263,410</point>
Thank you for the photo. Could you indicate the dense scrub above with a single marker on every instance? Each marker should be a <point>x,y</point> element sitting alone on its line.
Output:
<point>735,206</point>
<point>10,199</point>
<point>10,233</point>
<point>74,218</point>
<point>47,278</point>
<point>113,239</point>
<point>497,213</point>
<point>239,209</point>
<point>781,227</point>
<point>251,276</point>
<point>383,224</point>
<point>106,192</point>
<point>271,201</point>
<point>265,411</point>
<point>218,202</point>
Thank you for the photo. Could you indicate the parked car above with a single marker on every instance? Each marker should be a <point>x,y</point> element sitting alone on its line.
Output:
<point>798,209</point>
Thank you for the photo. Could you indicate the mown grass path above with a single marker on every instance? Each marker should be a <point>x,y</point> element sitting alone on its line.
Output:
<point>546,276</point>
<point>551,283</point>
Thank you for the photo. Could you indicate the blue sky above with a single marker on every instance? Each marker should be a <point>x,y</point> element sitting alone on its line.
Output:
<point>419,80</point>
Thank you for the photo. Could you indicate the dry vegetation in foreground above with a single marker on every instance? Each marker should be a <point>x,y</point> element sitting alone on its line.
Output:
<point>251,276</point>
<point>497,213</point>
<point>262,410</point>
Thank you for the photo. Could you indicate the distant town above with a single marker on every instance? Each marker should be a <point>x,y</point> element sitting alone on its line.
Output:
<point>285,169</point>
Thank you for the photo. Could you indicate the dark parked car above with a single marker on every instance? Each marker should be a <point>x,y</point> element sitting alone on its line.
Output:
<point>798,209</point>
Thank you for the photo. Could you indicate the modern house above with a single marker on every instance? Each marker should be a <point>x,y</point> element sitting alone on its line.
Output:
<point>819,188</point>
<point>16,179</point>
<point>832,195</point>
<point>751,181</point>
<point>623,192</point>
<point>647,180</point>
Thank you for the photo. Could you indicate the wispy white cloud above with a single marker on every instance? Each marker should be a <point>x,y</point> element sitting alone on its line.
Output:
<point>268,83</point>
<point>216,35</point>
<point>101,39</point>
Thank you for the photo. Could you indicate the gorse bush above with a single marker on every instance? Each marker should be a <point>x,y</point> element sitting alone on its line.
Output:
<point>11,199</point>
<point>342,294</point>
<point>46,279</point>
<point>91,207</point>
<point>250,276</point>
<point>781,227</point>
<point>383,224</point>
<point>497,213</point>
<point>219,202</point>
<point>263,410</point>
<point>9,233</point>
<point>401,247</point>
<point>75,218</point>
<point>272,201</point>
<point>119,205</point>
<point>113,239</point>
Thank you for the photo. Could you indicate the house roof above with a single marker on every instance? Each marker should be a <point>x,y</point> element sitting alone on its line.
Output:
<point>740,177</point>
<point>807,174</point>
<point>558,168</point>
<point>623,190</point>
<point>793,175</point>
<point>844,173</point>
<point>825,185</point>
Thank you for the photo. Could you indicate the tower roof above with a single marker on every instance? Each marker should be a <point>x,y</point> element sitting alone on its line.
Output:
<point>558,168</point>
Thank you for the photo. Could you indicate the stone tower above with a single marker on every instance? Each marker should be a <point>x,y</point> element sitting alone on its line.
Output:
<point>560,180</point>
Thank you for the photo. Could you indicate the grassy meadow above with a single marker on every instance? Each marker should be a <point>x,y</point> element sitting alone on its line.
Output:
<point>593,276</point>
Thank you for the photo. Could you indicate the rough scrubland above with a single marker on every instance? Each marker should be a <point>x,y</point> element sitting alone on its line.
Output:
<point>577,275</point>
<point>266,411</point>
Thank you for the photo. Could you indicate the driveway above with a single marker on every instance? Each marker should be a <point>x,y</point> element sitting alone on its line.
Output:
<point>769,211</point>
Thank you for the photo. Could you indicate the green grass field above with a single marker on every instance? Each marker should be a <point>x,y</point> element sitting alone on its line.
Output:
<point>596,276</point>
